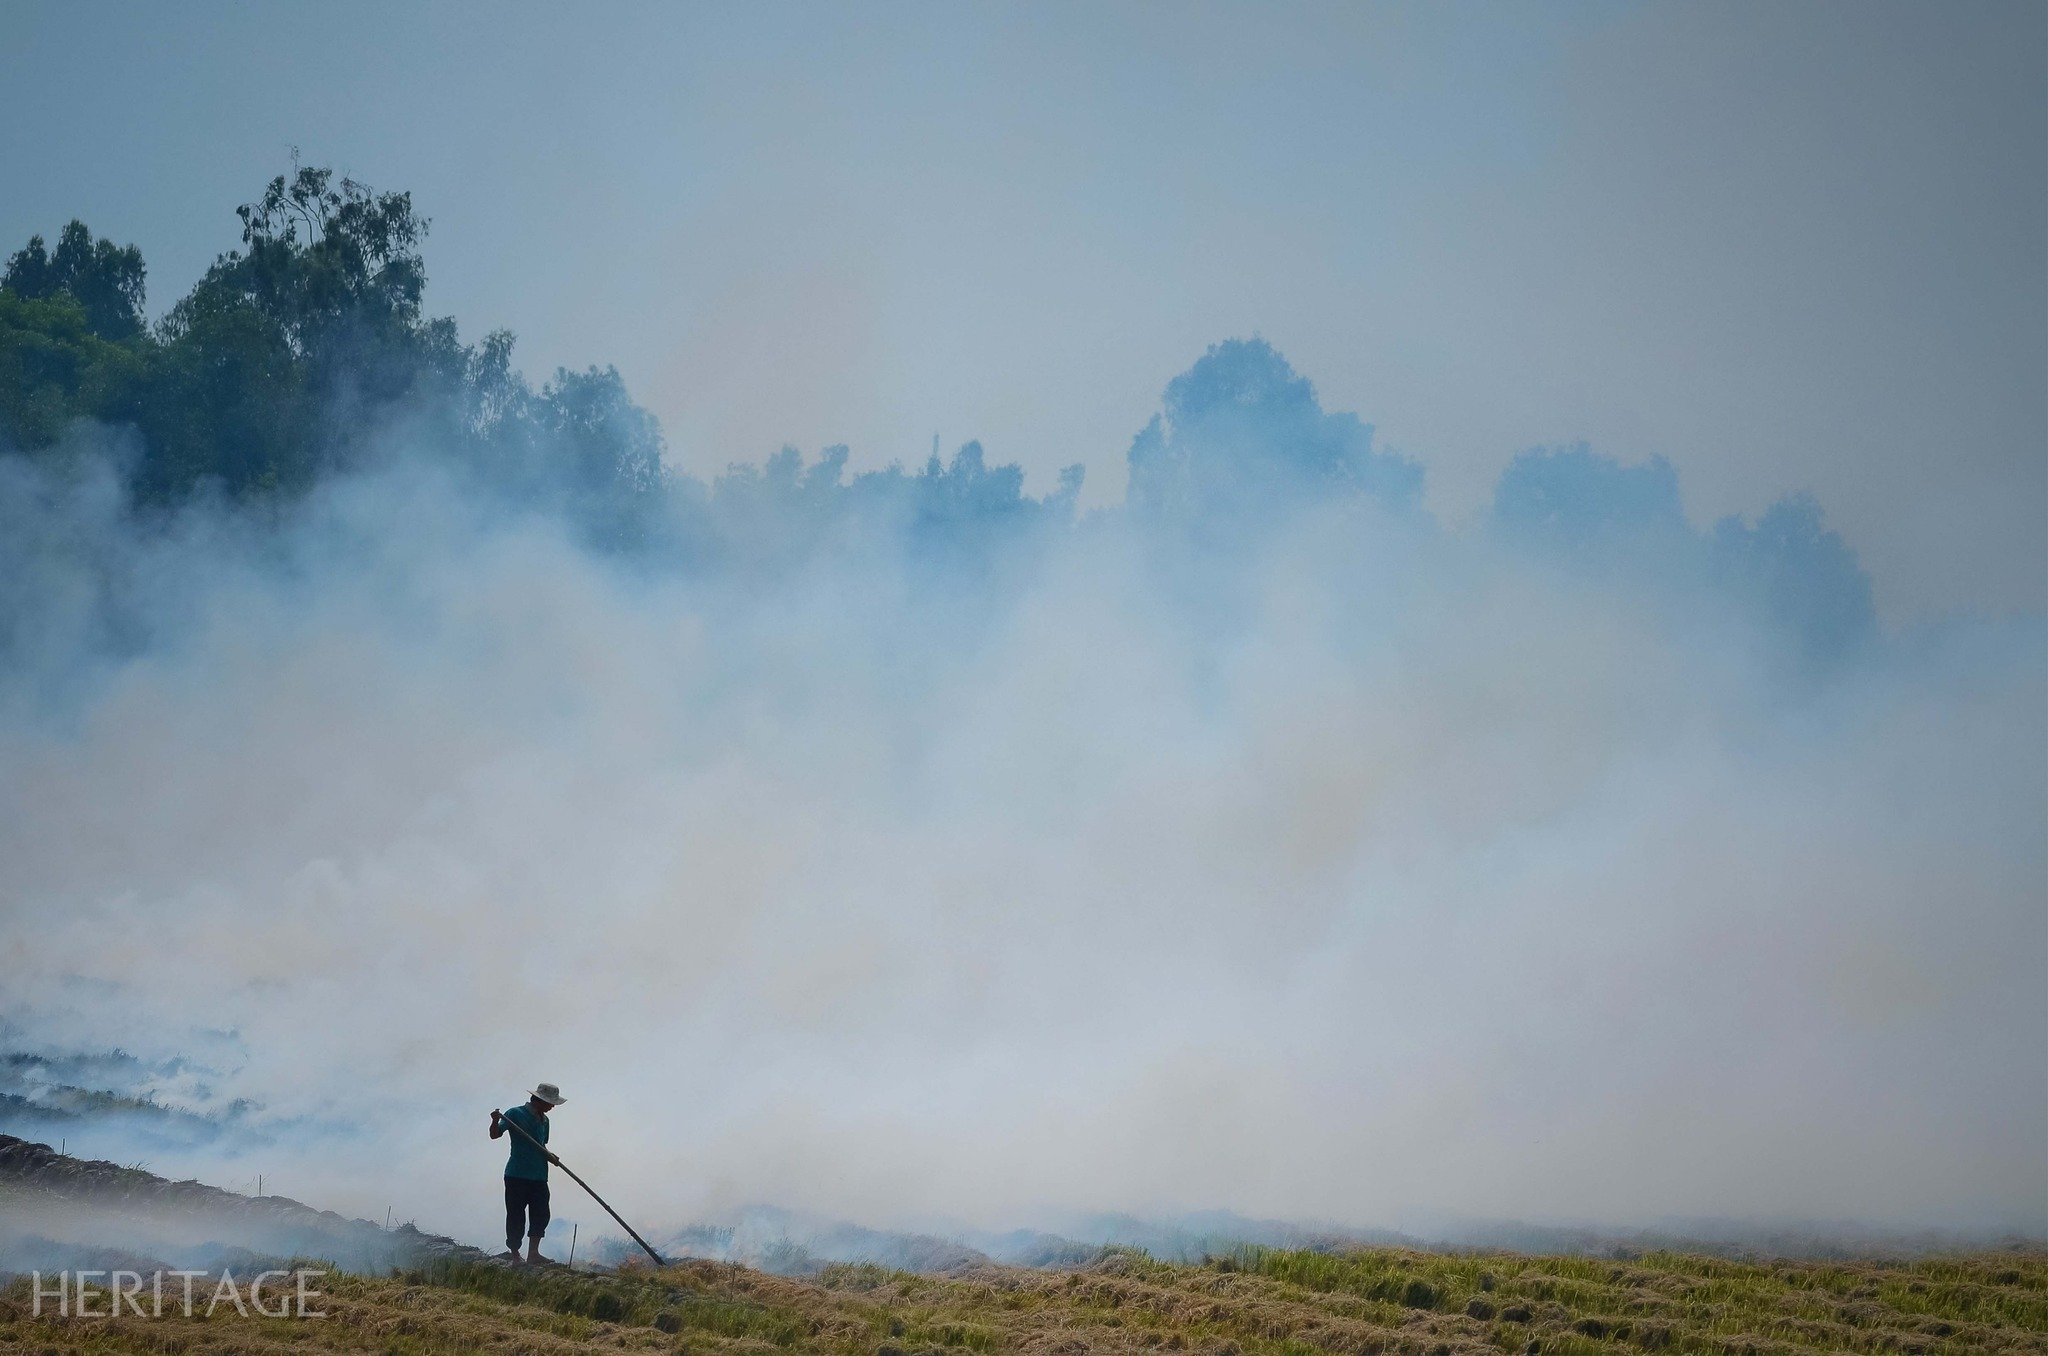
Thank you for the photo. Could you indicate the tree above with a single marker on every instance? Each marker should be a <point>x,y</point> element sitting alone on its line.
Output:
<point>322,258</point>
<point>54,368</point>
<point>1243,441</point>
<point>607,444</point>
<point>107,280</point>
<point>279,364</point>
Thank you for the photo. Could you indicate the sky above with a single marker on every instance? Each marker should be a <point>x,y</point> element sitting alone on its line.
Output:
<point>1789,247</point>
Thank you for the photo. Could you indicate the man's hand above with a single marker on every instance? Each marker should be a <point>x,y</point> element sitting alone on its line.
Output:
<point>497,1122</point>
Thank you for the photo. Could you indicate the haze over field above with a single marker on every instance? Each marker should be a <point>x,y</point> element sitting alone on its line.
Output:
<point>380,733</point>
<point>1308,861</point>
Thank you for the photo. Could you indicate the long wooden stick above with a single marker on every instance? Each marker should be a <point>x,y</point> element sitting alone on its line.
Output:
<point>513,1126</point>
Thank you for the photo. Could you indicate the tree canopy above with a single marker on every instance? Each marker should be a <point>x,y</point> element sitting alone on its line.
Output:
<point>306,351</point>
<point>289,358</point>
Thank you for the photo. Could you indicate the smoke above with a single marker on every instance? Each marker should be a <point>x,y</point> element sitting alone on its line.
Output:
<point>910,851</point>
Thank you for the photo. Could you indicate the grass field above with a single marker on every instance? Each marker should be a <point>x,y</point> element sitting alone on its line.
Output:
<point>1255,1301</point>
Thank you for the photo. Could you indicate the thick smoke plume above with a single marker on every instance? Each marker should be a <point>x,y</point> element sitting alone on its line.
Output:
<point>908,849</point>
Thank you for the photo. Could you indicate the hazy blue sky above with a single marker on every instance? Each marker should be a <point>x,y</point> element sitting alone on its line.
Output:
<point>1789,247</point>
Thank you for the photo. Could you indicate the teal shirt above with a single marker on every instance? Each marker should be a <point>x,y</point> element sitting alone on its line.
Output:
<point>526,1161</point>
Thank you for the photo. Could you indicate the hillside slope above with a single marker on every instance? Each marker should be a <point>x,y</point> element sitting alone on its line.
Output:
<point>60,1212</point>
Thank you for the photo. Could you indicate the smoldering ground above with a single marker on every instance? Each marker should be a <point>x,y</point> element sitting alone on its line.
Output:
<point>1260,844</point>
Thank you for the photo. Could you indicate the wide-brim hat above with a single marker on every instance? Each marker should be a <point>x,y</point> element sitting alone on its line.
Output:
<point>549,1093</point>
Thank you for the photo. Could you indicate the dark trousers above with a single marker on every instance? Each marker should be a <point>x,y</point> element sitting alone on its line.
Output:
<point>526,1209</point>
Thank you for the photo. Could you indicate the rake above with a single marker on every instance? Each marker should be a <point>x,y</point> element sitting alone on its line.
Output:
<point>513,1126</point>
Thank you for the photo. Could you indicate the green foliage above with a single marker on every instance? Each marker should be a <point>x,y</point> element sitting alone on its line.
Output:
<point>54,367</point>
<point>105,279</point>
<point>293,354</point>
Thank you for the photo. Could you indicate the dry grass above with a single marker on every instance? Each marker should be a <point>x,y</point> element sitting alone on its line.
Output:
<point>1269,1303</point>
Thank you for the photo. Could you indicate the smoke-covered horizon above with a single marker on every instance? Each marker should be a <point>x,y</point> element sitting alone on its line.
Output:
<point>901,847</point>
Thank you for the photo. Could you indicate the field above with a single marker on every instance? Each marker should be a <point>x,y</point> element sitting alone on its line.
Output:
<point>1282,1303</point>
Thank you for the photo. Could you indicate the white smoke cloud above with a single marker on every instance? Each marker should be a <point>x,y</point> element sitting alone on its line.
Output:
<point>1351,872</point>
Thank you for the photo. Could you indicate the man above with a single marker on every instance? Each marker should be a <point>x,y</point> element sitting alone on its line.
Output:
<point>526,1170</point>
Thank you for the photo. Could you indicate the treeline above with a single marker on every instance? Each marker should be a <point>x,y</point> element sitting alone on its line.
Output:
<point>291,357</point>
<point>305,353</point>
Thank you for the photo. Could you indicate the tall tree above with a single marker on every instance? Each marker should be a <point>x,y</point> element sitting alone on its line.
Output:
<point>106,279</point>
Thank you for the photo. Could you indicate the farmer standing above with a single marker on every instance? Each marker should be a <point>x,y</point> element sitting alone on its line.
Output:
<point>526,1170</point>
